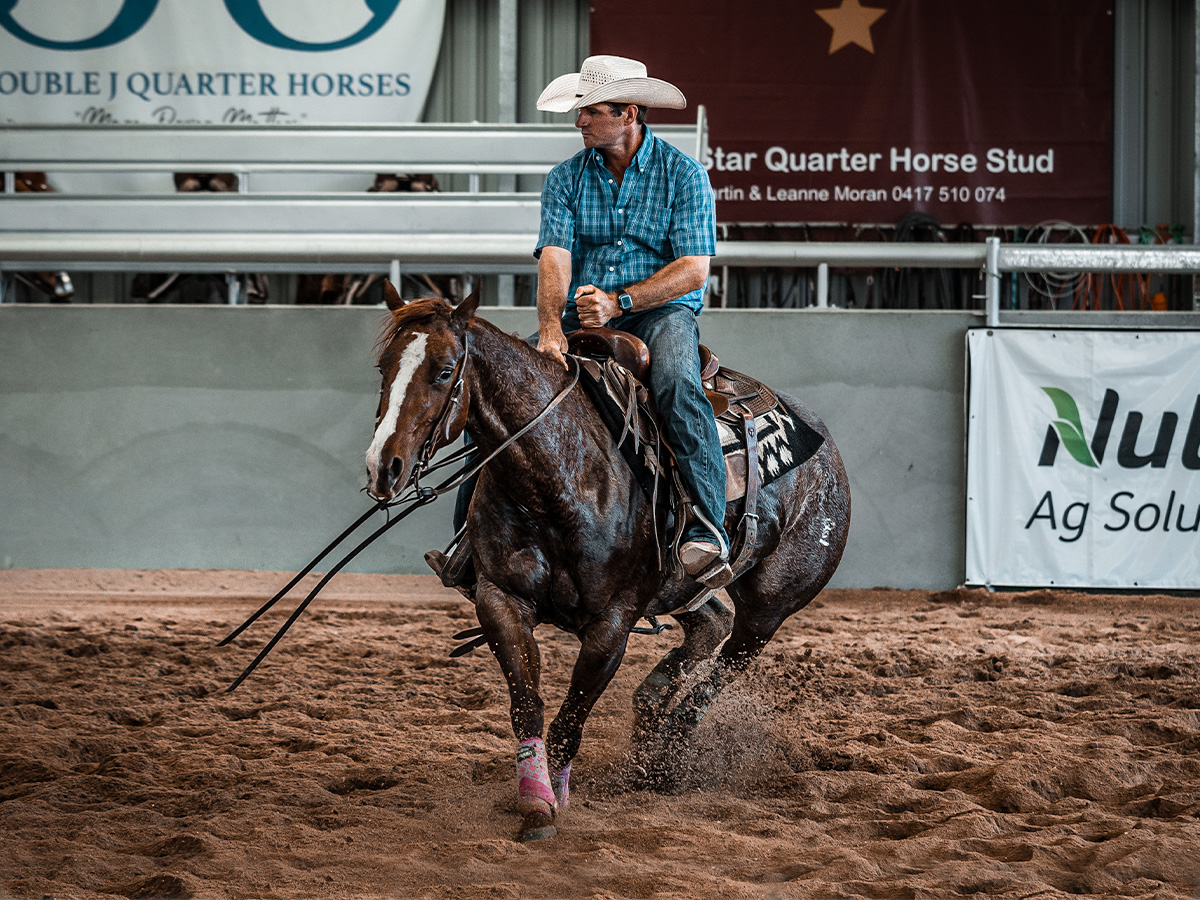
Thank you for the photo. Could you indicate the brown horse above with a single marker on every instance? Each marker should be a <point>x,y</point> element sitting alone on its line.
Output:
<point>563,535</point>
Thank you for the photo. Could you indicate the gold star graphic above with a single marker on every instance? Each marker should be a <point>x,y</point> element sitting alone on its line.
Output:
<point>851,24</point>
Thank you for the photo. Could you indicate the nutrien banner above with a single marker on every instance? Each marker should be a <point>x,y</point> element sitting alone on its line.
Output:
<point>243,62</point>
<point>862,111</point>
<point>1083,458</point>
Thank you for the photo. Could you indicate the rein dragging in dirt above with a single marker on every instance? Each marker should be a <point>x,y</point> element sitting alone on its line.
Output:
<point>420,496</point>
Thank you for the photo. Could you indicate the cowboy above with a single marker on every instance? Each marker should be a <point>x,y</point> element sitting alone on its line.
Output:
<point>628,228</point>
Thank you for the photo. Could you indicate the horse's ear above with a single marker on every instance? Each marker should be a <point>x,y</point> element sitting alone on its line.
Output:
<point>465,311</point>
<point>391,296</point>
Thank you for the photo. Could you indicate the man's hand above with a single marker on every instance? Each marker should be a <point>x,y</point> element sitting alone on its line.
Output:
<point>596,307</point>
<point>553,343</point>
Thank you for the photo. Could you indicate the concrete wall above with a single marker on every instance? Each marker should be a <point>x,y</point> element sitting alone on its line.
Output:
<point>217,437</point>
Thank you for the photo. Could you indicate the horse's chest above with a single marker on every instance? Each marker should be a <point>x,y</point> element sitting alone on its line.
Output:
<point>570,557</point>
<point>566,590</point>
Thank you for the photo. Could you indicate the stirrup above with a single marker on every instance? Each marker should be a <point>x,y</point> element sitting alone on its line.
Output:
<point>716,576</point>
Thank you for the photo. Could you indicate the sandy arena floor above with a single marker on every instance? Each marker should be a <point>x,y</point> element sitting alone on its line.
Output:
<point>889,744</point>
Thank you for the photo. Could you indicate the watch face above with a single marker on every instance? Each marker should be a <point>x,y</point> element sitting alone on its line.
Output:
<point>625,300</point>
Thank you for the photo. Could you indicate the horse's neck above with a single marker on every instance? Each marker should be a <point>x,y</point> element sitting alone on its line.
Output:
<point>510,385</point>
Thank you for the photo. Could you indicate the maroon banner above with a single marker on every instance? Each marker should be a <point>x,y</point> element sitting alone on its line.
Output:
<point>833,111</point>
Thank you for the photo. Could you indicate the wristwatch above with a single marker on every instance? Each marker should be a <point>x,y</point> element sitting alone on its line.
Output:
<point>625,301</point>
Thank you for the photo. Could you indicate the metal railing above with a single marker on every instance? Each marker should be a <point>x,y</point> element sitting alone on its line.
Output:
<point>490,252</point>
<point>1179,259</point>
<point>444,233</point>
<point>311,228</point>
<point>478,148</point>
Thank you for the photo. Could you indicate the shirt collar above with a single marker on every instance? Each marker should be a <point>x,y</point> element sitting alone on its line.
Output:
<point>641,159</point>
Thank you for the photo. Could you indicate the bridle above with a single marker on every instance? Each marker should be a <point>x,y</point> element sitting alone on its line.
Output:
<point>440,429</point>
<point>441,424</point>
<point>424,461</point>
<point>416,495</point>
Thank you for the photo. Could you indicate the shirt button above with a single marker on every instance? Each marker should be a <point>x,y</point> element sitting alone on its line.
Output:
<point>620,243</point>
<point>612,268</point>
<point>621,211</point>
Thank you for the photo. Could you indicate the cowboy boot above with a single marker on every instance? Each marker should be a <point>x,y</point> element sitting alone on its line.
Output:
<point>456,570</point>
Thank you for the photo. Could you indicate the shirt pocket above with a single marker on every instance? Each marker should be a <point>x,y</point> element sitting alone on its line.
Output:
<point>595,227</point>
<point>649,226</point>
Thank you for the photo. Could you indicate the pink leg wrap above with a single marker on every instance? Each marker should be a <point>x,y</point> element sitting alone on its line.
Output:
<point>533,777</point>
<point>560,781</point>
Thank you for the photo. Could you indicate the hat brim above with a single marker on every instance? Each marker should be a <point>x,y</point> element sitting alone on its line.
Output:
<point>560,94</point>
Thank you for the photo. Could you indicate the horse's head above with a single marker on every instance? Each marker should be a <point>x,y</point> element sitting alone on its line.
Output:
<point>422,399</point>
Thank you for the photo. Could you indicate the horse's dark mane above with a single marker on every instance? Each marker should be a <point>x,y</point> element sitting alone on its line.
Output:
<point>410,313</point>
<point>537,362</point>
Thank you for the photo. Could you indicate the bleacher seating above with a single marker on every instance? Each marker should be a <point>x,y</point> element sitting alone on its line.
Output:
<point>265,228</point>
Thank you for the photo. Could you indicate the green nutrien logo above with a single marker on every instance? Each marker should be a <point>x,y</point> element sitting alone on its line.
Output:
<point>1124,511</point>
<point>1067,430</point>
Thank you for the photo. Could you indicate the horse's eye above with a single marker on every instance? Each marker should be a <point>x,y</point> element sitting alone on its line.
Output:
<point>445,375</point>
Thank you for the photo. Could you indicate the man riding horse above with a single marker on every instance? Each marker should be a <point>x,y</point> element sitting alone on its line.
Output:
<point>628,227</point>
<point>563,533</point>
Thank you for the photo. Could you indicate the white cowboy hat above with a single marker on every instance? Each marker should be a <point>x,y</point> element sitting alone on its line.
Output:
<point>615,79</point>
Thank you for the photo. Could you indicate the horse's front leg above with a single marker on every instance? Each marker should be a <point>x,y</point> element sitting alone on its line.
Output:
<point>508,627</point>
<point>602,646</point>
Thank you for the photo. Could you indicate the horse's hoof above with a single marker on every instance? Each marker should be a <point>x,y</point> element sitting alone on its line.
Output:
<point>537,827</point>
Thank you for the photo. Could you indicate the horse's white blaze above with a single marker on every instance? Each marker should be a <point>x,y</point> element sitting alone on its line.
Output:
<point>410,361</point>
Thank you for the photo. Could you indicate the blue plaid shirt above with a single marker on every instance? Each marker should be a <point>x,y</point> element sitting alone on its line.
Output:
<point>619,235</point>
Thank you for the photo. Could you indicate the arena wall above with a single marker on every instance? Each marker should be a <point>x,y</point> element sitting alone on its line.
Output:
<point>218,437</point>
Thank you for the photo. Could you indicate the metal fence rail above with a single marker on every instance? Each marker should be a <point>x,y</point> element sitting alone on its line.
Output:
<point>480,252</point>
<point>1001,258</point>
<point>442,233</point>
<point>477,148</point>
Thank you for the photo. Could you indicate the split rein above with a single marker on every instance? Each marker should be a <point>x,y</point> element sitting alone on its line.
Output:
<point>416,496</point>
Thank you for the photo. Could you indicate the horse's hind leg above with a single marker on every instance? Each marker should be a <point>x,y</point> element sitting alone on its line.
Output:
<point>746,641</point>
<point>760,604</point>
<point>703,631</point>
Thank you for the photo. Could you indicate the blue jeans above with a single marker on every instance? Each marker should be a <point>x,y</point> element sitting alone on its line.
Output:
<point>671,333</point>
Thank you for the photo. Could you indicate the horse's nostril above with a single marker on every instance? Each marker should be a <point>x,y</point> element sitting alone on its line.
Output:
<point>394,469</point>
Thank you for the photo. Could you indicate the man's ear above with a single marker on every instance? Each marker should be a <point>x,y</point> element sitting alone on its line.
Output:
<point>629,116</point>
<point>465,311</point>
<point>391,296</point>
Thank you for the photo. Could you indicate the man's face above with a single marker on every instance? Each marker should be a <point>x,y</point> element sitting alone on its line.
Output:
<point>599,127</point>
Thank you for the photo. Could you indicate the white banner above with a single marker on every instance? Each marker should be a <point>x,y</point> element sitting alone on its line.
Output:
<point>1083,458</point>
<point>242,62</point>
